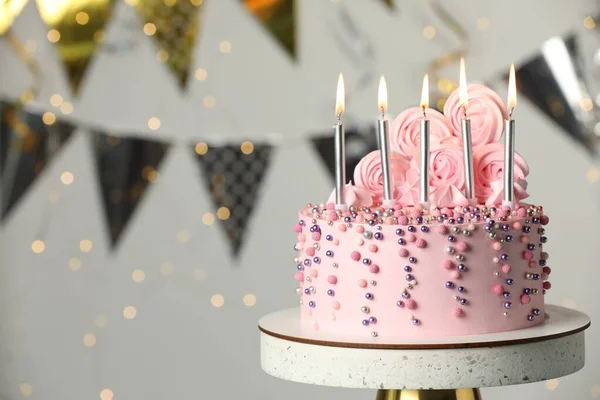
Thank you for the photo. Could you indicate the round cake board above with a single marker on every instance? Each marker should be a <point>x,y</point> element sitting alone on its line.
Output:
<point>424,368</point>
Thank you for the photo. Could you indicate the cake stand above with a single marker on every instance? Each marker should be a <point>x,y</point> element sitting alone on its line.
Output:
<point>440,368</point>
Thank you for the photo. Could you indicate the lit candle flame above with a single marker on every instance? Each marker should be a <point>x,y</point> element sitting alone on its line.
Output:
<point>425,93</point>
<point>512,90</point>
<point>382,97</point>
<point>339,98</point>
<point>462,89</point>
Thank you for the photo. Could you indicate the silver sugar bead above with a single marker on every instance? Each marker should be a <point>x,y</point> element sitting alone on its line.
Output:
<point>308,279</point>
<point>505,314</point>
<point>456,298</point>
<point>496,273</point>
<point>456,229</point>
<point>352,208</point>
<point>298,290</point>
<point>364,309</point>
<point>466,232</point>
<point>460,257</point>
<point>496,226</point>
<point>316,246</point>
<point>373,283</point>
<point>450,250</point>
<point>409,286</point>
<point>374,334</point>
<point>335,265</point>
<point>367,234</point>
<point>386,214</point>
<point>492,235</point>
<point>379,227</point>
<point>349,225</point>
<point>330,223</point>
<point>311,289</point>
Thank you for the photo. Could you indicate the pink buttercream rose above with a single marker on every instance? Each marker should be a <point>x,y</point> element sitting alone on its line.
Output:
<point>488,166</point>
<point>486,111</point>
<point>446,175</point>
<point>406,132</point>
<point>410,189</point>
<point>368,174</point>
<point>355,195</point>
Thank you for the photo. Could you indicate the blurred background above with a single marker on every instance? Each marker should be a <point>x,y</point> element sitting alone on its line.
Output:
<point>153,155</point>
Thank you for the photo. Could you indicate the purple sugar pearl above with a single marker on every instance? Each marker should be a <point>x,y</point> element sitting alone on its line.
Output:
<point>315,228</point>
<point>329,237</point>
<point>491,222</point>
<point>424,229</point>
<point>366,261</point>
<point>405,295</point>
<point>508,238</point>
<point>451,221</point>
<point>317,260</point>
<point>535,311</point>
<point>399,232</point>
<point>378,235</point>
<point>476,210</point>
<point>506,295</point>
<point>527,291</point>
<point>400,303</point>
<point>300,267</point>
<point>365,322</point>
<point>466,210</point>
<point>307,262</point>
<point>329,253</point>
<point>504,257</point>
<point>367,211</point>
<point>507,304</point>
<point>369,296</point>
<point>536,220</point>
<point>449,285</point>
<point>306,291</point>
<point>409,277</point>
<point>330,292</point>
<point>419,220</point>
<point>530,318</point>
<point>311,304</point>
<point>509,281</point>
<point>301,223</point>
<point>505,227</point>
<point>461,289</point>
<point>445,216</point>
<point>536,277</point>
<point>526,229</point>
<point>542,263</point>
<point>401,241</point>
<point>544,239</point>
<point>440,219</point>
<point>412,229</point>
<point>416,322</point>
<point>493,209</point>
<point>412,260</point>
<point>407,268</point>
<point>463,302</point>
<point>347,219</point>
<point>487,228</point>
<point>461,267</point>
<point>451,238</point>
<point>531,247</point>
<point>372,320</point>
<point>372,222</point>
<point>460,220</point>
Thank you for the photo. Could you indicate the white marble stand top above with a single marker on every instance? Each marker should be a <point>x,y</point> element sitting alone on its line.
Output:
<point>550,350</point>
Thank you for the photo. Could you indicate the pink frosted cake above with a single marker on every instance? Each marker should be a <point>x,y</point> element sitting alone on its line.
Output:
<point>453,268</point>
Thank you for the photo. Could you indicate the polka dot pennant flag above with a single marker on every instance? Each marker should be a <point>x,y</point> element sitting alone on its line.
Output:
<point>234,175</point>
<point>28,143</point>
<point>126,167</point>
<point>278,17</point>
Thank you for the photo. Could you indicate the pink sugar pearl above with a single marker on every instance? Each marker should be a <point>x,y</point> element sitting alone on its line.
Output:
<point>403,220</point>
<point>332,279</point>
<point>342,227</point>
<point>471,227</point>
<point>421,243</point>
<point>310,251</point>
<point>524,239</point>
<point>544,219</point>
<point>362,283</point>
<point>525,299</point>
<point>410,238</point>
<point>398,213</point>
<point>374,268</point>
<point>458,312</point>
<point>506,268</point>
<point>521,213</point>
<point>448,264</point>
<point>547,285</point>
<point>462,246</point>
<point>314,273</point>
<point>411,304</point>
<point>359,229</point>
<point>497,246</point>
<point>360,241</point>
<point>332,216</point>
<point>335,304</point>
<point>498,289</point>
<point>360,219</point>
<point>547,270</point>
<point>299,276</point>
<point>442,229</point>
<point>403,252</point>
<point>528,255</point>
<point>316,236</point>
<point>389,220</point>
<point>454,274</point>
<point>517,225</point>
<point>532,264</point>
<point>355,255</point>
<point>373,248</point>
<point>297,228</point>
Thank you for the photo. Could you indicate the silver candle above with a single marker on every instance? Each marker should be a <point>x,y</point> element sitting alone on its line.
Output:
<point>509,141</point>
<point>340,147</point>
<point>382,134</point>
<point>424,145</point>
<point>466,134</point>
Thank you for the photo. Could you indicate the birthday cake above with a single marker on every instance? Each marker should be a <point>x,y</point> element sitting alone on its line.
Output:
<point>451,266</point>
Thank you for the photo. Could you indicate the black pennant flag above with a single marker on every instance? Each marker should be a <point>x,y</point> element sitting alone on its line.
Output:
<point>28,143</point>
<point>279,18</point>
<point>233,174</point>
<point>126,166</point>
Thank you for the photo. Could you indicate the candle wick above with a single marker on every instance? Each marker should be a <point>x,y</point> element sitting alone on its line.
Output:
<point>382,113</point>
<point>424,113</point>
<point>465,111</point>
<point>511,113</point>
<point>339,117</point>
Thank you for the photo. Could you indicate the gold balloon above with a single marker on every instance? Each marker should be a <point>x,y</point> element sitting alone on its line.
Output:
<point>9,10</point>
<point>76,26</point>
<point>174,26</point>
<point>278,17</point>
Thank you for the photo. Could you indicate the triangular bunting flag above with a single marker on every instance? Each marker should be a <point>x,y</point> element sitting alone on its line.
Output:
<point>27,143</point>
<point>174,25</point>
<point>357,146</point>
<point>279,18</point>
<point>125,166</point>
<point>9,11</point>
<point>389,3</point>
<point>77,28</point>
<point>233,175</point>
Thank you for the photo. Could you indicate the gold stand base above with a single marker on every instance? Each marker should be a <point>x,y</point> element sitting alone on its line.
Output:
<point>449,394</point>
